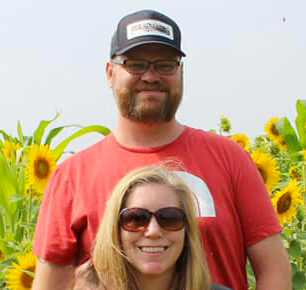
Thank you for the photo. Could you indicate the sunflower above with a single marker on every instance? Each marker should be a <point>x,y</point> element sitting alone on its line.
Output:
<point>295,173</point>
<point>281,143</point>
<point>18,278</point>
<point>242,140</point>
<point>271,130</point>
<point>285,200</point>
<point>28,189</point>
<point>9,149</point>
<point>41,164</point>
<point>304,153</point>
<point>274,135</point>
<point>267,167</point>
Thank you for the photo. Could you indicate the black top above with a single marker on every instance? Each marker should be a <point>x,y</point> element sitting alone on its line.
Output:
<point>219,287</point>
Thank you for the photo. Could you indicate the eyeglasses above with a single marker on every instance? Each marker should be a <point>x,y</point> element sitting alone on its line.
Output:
<point>139,66</point>
<point>137,219</point>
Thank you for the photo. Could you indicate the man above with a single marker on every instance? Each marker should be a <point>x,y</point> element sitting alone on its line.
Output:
<point>236,219</point>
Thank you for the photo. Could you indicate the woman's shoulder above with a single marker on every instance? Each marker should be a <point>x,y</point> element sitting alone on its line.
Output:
<point>219,287</point>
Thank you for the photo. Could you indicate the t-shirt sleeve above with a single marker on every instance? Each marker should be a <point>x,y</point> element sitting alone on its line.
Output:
<point>257,215</point>
<point>55,241</point>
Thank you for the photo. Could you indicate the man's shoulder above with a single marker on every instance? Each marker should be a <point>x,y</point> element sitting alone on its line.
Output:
<point>208,137</point>
<point>87,153</point>
<point>214,144</point>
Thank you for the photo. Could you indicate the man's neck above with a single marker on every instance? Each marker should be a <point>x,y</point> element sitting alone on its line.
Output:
<point>135,134</point>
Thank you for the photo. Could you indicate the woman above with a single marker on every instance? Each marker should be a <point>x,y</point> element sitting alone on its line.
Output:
<point>148,237</point>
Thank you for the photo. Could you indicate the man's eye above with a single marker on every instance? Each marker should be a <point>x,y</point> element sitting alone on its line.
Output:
<point>165,66</point>
<point>136,65</point>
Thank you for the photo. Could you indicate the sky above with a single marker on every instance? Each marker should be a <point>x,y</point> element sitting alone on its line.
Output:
<point>246,60</point>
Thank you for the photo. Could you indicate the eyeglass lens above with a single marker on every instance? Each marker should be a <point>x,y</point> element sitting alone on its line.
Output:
<point>138,219</point>
<point>165,67</point>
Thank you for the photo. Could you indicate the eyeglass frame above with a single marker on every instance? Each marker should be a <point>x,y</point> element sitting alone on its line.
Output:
<point>122,61</point>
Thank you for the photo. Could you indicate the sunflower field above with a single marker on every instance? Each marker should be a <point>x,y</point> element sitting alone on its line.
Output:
<point>26,163</point>
<point>280,157</point>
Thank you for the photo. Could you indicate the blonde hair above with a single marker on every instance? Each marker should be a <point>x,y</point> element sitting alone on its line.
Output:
<point>108,257</point>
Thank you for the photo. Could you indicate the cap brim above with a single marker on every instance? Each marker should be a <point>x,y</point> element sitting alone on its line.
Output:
<point>121,51</point>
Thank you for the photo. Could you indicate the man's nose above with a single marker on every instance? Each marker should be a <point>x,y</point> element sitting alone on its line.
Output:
<point>151,75</point>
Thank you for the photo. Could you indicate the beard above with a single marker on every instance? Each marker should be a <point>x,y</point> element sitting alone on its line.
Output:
<point>149,108</point>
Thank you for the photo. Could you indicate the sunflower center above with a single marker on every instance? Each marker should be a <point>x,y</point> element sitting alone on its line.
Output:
<point>284,203</point>
<point>41,168</point>
<point>263,174</point>
<point>282,142</point>
<point>1,256</point>
<point>241,142</point>
<point>274,130</point>
<point>26,280</point>
<point>294,173</point>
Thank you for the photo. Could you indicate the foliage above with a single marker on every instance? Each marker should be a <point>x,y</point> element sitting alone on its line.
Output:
<point>20,197</point>
<point>287,146</point>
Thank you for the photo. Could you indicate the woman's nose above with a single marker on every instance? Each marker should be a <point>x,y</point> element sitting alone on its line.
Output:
<point>153,229</point>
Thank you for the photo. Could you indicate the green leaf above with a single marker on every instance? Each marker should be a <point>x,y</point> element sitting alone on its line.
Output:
<point>295,248</point>
<point>58,150</point>
<point>54,132</point>
<point>300,121</point>
<point>8,187</point>
<point>31,274</point>
<point>287,233</point>
<point>5,136</point>
<point>294,268</point>
<point>39,132</point>
<point>29,141</point>
<point>287,132</point>
<point>301,236</point>
<point>15,198</point>
<point>19,130</point>
<point>250,275</point>
<point>299,280</point>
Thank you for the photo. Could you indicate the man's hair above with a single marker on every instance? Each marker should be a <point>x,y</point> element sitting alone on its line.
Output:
<point>108,258</point>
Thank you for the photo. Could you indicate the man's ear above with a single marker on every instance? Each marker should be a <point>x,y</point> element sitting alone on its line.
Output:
<point>109,72</point>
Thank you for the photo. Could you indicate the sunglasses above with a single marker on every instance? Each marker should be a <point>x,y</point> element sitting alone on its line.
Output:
<point>137,219</point>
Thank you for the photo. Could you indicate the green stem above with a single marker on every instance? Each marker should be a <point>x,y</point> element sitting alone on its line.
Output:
<point>304,177</point>
<point>29,228</point>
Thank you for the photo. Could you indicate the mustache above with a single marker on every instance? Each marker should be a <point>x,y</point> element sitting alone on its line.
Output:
<point>151,87</point>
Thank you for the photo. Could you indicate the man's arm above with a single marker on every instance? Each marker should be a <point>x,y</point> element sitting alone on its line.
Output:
<point>270,264</point>
<point>49,276</point>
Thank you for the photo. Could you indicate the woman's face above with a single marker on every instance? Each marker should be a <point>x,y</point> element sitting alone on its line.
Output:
<point>155,250</point>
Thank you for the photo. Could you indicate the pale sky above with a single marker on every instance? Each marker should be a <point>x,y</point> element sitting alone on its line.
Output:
<point>245,60</point>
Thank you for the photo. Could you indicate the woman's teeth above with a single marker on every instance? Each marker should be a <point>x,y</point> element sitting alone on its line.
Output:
<point>152,249</point>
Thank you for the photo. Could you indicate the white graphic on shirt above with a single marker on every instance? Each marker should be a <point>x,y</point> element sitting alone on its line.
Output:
<point>202,195</point>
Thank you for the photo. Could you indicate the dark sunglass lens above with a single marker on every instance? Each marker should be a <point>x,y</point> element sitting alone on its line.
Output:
<point>171,219</point>
<point>135,219</point>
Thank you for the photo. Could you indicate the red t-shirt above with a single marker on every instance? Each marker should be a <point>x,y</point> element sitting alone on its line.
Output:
<point>234,207</point>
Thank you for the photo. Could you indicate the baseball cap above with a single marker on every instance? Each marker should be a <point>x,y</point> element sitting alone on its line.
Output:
<point>145,27</point>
